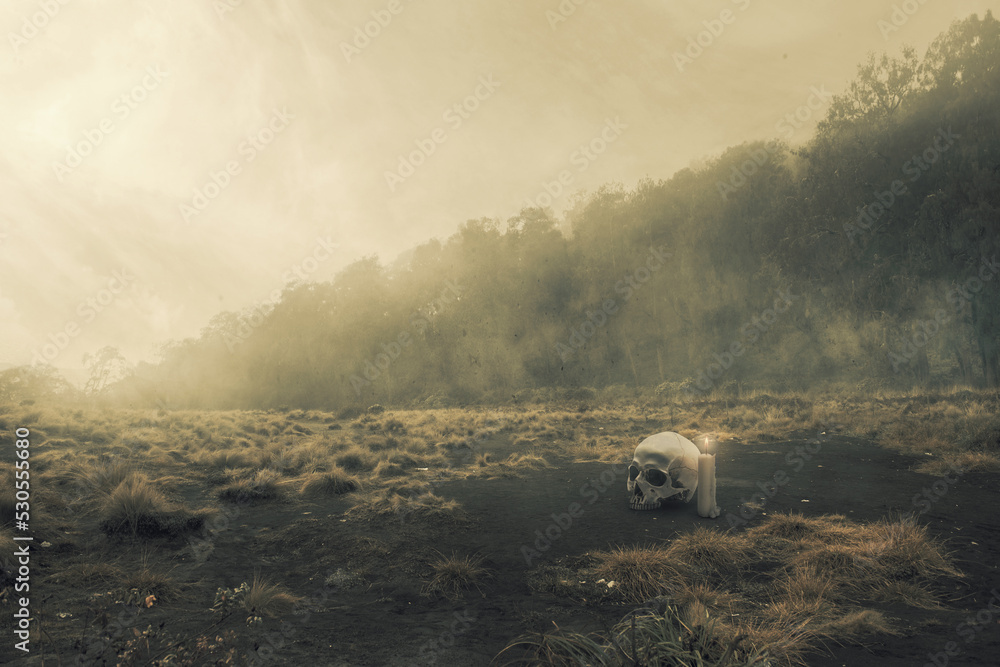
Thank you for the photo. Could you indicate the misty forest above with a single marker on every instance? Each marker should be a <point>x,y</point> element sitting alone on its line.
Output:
<point>448,448</point>
<point>882,228</point>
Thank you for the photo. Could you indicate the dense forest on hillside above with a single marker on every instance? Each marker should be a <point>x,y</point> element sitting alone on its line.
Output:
<point>866,257</point>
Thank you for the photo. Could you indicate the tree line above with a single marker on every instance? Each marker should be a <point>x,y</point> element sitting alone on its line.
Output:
<point>866,257</point>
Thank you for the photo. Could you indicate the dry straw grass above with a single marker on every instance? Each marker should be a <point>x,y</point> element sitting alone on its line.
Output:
<point>787,585</point>
<point>268,599</point>
<point>387,504</point>
<point>331,483</point>
<point>453,575</point>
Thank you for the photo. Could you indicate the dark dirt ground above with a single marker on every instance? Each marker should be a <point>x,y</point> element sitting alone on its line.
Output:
<point>382,619</point>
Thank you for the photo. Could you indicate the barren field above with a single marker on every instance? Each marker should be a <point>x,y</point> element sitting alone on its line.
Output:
<point>465,537</point>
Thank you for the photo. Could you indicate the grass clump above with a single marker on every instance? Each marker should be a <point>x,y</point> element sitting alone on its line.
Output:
<point>261,487</point>
<point>710,551</point>
<point>137,508</point>
<point>640,573</point>
<point>264,598</point>
<point>648,638</point>
<point>783,587</point>
<point>332,483</point>
<point>453,575</point>
<point>417,507</point>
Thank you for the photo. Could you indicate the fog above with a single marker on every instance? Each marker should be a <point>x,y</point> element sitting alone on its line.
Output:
<point>171,161</point>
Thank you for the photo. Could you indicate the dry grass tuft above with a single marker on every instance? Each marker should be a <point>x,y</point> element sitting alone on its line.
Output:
<point>138,584</point>
<point>87,573</point>
<point>641,573</point>
<point>855,625</point>
<point>487,468</point>
<point>332,483</point>
<point>267,599</point>
<point>389,469</point>
<point>710,551</point>
<point>453,575</point>
<point>388,504</point>
<point>356,459</point>
<point>263,486</point>
<point>135,505</point>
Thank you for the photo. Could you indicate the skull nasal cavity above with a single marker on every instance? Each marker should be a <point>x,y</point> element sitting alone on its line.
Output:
<point>656,477</point>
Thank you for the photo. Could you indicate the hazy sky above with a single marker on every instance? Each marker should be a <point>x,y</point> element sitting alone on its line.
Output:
<point>121,225</point>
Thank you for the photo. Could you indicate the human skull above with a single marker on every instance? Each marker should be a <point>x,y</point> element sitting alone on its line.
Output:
<point>664,467</point>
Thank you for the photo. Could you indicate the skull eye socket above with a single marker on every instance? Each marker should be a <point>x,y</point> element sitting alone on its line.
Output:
<point>656,477</point>
<point>633,472</point>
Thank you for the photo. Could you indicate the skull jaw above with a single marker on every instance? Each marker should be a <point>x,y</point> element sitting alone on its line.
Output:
<point>638,501</point>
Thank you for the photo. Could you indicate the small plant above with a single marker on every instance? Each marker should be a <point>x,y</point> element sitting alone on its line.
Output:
<point>266,599</point>
<point>261,487</point>
<point>335,482</point>
<point>453,575</point>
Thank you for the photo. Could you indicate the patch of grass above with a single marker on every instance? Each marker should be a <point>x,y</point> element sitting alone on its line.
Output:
<point>641,573</point>
<point>710,551</point>
<point>453,575</point>
<point>267,599</point>
<point>418,507</point>
<point>906,592</point>
<point>386,469</point>
<point>810,572</point>
<point>105,476</point>
<point>332,483</point>
<point>356,459</point>
<point>856,624</point>
<point>137,508</point>
<point>140,583</point>
<point>964,461</point>
<point>86,573</point>
<point>661,637</point>
<point>487,468</point>
<point>261,487</point>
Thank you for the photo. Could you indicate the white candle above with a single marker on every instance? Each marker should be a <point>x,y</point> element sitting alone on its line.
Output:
<point>707,506</point>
